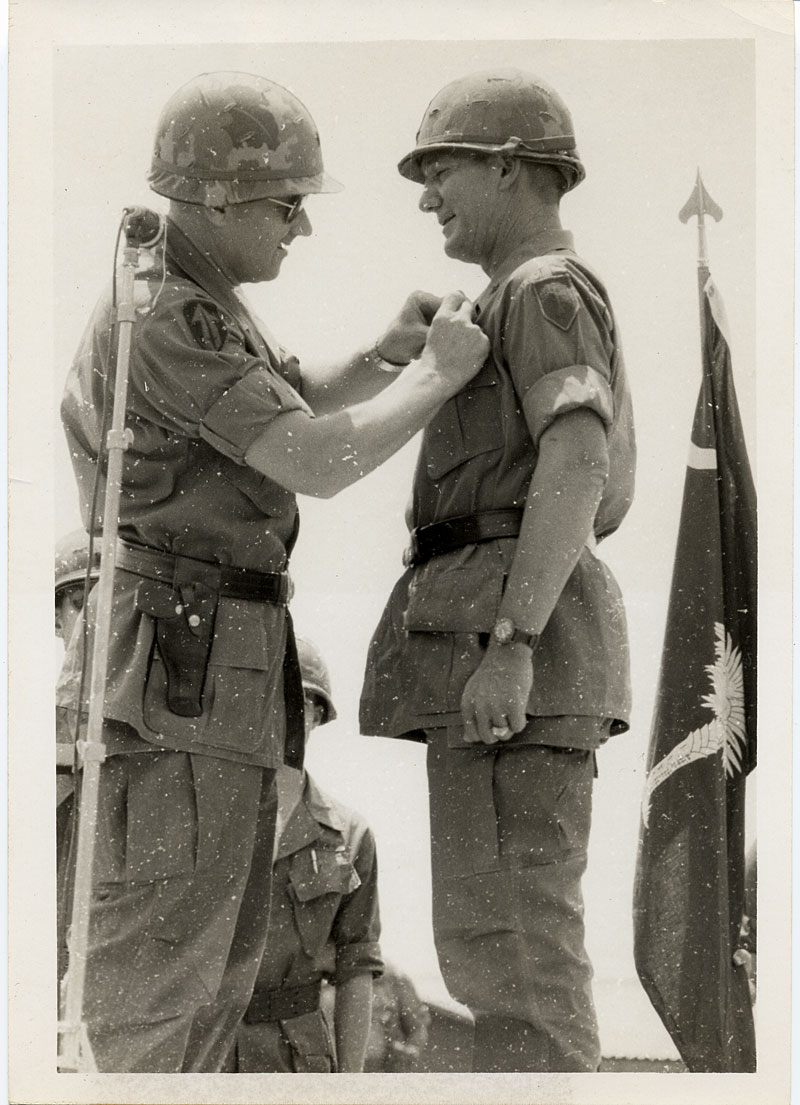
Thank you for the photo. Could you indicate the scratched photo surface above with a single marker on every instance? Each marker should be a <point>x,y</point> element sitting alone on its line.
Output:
<point>653,101</point>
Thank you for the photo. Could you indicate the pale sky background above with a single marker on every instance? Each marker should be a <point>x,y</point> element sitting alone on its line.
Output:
<point>675,91</point>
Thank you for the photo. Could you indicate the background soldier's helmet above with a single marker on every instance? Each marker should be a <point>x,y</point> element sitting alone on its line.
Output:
<point>316,677</point>
<point>72,557</point>
<point>227,138</point>
<point>505,111</point>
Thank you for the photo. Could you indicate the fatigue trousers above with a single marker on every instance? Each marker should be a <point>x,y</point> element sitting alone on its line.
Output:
<point>180,908</point>
<point>509,835</point>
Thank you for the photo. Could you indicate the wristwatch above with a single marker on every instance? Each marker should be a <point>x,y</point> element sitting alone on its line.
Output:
<point>506,633</point>
<point>385,365</point>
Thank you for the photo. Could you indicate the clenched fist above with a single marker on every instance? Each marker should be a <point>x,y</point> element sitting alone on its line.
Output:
<point>456,348</point>
<point>404,339</point>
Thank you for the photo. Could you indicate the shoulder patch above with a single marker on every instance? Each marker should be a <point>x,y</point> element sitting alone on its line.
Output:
<point>558,300</point>
<point>206,324</point>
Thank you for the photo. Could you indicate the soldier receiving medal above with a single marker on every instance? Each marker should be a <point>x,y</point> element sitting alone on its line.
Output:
<point>504,644</point>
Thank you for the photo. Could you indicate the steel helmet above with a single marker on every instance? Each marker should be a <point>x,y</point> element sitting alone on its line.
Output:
<point>226,138</point>
<point>315,675</point>
<point>505,111</point>
<point>72,557</point>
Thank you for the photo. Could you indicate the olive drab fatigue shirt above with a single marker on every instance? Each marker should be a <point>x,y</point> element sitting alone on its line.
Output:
<point>554,348</point>
<point>324,919</point>
<point>204,383</point>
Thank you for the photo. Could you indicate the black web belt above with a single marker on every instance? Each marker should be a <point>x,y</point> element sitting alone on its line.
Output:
<point>225,579</point>
<point>185,640</point>
<point>453,533</point>
<point>283,1004</point>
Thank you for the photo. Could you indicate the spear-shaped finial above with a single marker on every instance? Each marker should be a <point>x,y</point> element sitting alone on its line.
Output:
<point>700,204</point>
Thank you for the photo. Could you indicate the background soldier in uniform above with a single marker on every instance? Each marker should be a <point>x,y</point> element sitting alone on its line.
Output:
<point>71,562</point>
<point>324,921</point>
<point>203,700</point>
<point>505,644</point>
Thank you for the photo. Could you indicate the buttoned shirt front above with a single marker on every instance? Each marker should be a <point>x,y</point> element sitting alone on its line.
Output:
<point>324,917</point>
<point>204,382</point>
<point>554,348</point>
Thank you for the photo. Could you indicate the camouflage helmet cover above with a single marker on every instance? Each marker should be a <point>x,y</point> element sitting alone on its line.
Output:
<point>504,111</point>
<point>72,557</point>
<point>226,138</point>
<point>316,677</point>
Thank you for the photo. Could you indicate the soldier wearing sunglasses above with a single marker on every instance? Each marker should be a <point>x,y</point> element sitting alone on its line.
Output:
<point>203,698</point>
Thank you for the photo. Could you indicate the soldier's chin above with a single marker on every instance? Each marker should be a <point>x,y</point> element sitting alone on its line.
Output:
<point>271,269</point>
<point>452,242</point>
<point>451,248</point>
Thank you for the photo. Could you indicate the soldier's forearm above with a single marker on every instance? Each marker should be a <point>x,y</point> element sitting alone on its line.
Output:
<point>562,502</point>
<point>322,456</point>
<point>334,386</point>
<point>352,1017</point>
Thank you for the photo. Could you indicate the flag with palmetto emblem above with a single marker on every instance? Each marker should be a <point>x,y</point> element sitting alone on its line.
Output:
<point>689,886</point>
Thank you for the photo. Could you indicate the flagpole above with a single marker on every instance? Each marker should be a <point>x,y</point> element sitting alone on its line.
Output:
<point>690,871</point>
<point>701,204</point>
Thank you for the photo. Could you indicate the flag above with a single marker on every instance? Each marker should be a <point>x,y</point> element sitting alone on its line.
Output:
<point>689,885</point>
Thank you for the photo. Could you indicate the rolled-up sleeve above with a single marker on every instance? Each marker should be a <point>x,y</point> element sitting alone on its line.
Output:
<point>204,382</point>
<point>356,929</point>
<point>239,416</point>
<point>567,389</point>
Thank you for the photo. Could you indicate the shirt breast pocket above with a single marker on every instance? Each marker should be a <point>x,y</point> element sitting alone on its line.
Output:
<point>468,425</point>
<point>319,878</point>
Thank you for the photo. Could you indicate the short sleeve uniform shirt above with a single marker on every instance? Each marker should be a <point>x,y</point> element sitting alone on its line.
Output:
<point>204,382</point>
<point>324,918</point>
<point>554,348</point>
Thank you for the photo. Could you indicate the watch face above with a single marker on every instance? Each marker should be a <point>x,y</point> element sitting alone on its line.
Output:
<point>504,630</point>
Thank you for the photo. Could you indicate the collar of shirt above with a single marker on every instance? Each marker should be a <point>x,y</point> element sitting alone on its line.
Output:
<point>546,241</point>
<point>304,826</point>
<point>200,269</point>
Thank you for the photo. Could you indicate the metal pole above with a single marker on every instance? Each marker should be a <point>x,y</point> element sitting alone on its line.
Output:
<point>75,1051</point>
<point>701,204</point>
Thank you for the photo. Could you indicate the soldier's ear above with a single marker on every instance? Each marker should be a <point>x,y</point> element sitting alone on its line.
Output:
<point>510,169</point>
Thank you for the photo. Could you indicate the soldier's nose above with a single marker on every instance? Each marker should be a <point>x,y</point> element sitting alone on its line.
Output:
<point>301,227</point>
<point>429,200</point>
